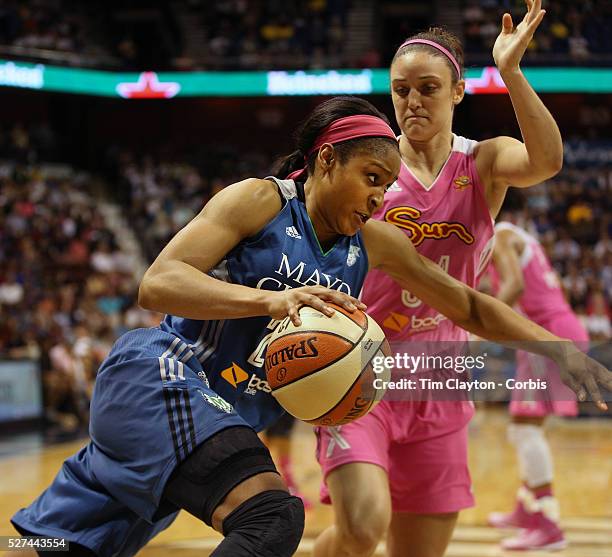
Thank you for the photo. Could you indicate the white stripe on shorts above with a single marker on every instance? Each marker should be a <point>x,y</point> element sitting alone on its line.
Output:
<point>162,369</point>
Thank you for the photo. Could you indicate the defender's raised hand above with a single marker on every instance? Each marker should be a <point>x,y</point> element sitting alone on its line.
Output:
<point>512,42</point>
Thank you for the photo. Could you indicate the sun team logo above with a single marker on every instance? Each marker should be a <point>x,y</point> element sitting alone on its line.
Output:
<point>405,218</point>
<point>462,182</point>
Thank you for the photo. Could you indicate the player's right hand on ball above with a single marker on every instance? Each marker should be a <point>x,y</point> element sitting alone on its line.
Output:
<point>289,302</point>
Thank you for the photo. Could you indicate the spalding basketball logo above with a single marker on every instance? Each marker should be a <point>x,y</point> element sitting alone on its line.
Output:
<point>304,349</point>
<point>360,407</point>
<point>281,374</point>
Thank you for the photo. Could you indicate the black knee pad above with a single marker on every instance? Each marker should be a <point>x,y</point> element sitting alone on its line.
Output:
<point>201,482</point>
<point>269,524</point>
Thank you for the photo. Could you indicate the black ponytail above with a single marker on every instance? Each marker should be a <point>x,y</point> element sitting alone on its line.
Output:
<point>286,165</point>
<point>321,117</point>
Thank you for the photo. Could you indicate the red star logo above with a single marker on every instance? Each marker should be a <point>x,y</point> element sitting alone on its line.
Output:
<point>148,86</point>
<point>489,82</point>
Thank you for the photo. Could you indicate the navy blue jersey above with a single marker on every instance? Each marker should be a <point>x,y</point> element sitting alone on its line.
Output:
<point>162,392</point>
<point>284,254</point>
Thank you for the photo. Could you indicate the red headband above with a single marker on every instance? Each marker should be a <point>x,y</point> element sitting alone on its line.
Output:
<point>349,127</point>
<point>437,46</point>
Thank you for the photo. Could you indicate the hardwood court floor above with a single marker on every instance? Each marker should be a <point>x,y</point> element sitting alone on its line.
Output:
<point>583,460</point>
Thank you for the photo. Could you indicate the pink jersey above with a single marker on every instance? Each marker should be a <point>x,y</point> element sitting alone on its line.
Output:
<point>450,224</point>
<point>542,298</point>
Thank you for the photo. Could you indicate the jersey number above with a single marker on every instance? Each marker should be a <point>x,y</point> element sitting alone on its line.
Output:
<point>257,358</point>
<point>412,301</point>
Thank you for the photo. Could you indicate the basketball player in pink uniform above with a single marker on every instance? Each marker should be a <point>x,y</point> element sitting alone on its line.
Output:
<point>522,275</point>
<point>402,470</point>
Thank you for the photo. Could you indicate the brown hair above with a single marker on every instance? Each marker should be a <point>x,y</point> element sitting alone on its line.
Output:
<point>444,38</point>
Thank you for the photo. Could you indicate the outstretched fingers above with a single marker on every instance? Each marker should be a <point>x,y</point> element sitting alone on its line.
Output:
<point>593,389</point>
<point>507,24</point>
<point>534,24</point>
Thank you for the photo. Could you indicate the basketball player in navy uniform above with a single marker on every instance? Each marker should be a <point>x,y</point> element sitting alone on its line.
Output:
<point>176,408</point>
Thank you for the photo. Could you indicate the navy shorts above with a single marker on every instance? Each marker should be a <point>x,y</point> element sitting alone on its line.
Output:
<point>151,408</point>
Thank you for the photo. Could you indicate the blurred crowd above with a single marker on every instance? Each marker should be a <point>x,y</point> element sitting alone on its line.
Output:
<point>264,34</point>
<point>27,144</point>
<point>160,197</point>
<point>229,34</point>
<point>571,216</point>
<point>570,32</point>
<point>43,24</point>
<point>66,289</point>
<point>60,30</point>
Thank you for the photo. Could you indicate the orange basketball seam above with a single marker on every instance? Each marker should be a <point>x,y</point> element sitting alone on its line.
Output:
<point>346,313</point>
<point>304,332</point>
<point>342,397</point>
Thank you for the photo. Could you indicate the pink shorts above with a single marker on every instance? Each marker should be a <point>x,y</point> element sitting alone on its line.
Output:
<point>556,399</point>
<point>421,445</point>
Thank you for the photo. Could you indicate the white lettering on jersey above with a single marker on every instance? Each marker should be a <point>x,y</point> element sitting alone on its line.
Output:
<point>257,384</point>
<point>297,273</point>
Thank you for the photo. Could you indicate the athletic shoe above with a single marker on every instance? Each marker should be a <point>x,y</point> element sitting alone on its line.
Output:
<point>547,537</point>
<point>544,533</point>
<point>520,517</point>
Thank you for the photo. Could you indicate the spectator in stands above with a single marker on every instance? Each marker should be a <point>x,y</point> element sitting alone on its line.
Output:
<point>597,320</point>
<point>573,31</point>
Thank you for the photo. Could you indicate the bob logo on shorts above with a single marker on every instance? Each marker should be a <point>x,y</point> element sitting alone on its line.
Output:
<point>304,349</point>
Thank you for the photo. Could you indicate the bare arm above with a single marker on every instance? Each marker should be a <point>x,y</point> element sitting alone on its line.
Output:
<point>390,250</point>
<point>507,262</point>
<point>177,282</point>
<point>505,160</point>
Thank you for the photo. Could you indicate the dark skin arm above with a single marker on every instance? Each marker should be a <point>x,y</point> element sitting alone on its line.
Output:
<point>177,283</point>
<point>391,251</point>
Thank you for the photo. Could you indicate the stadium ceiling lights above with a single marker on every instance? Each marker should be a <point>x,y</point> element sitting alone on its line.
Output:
<point>167,85</point>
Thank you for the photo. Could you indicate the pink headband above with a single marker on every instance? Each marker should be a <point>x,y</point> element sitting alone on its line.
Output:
<point>343,129</point>
<point>437,46</point>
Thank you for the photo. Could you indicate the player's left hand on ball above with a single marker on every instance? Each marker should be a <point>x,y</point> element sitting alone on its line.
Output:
<point>585,377</point>
<point>289,302</point>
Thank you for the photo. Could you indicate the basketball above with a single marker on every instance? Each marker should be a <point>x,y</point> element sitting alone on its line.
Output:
<point>321,372</point>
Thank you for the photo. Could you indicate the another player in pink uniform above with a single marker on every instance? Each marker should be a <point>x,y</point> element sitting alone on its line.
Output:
<point>524,276</point>
<point>402,470</point>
